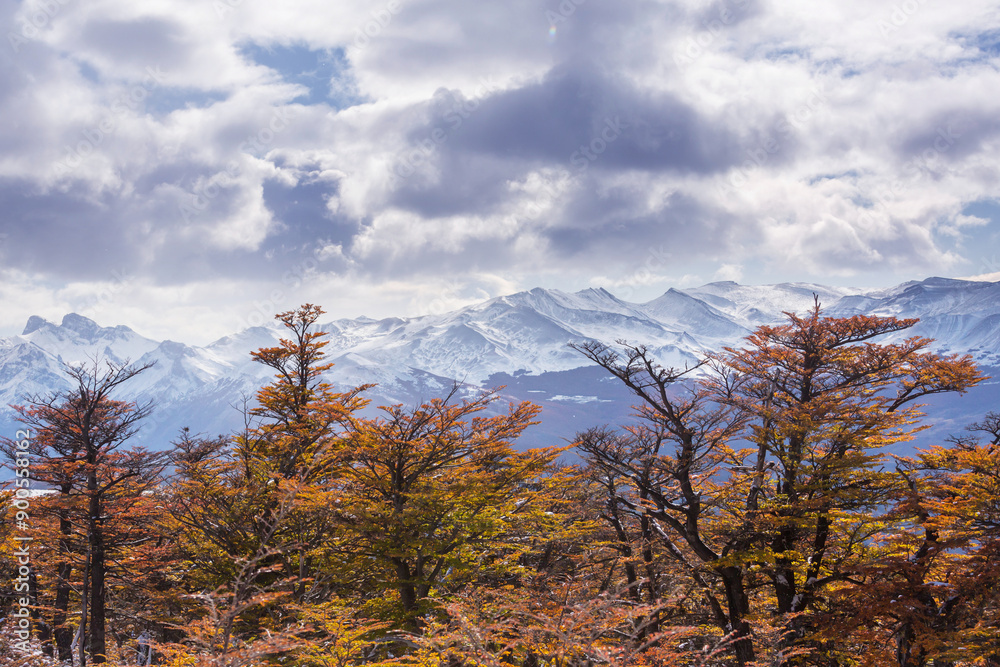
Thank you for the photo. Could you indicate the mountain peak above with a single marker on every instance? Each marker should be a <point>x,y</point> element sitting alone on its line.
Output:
<point>80,324</point>
<point>944,282</point>
<point>597,292</point>
<point>34,324</point>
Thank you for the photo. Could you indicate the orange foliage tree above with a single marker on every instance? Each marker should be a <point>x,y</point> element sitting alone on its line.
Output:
<point>249,511</point>
<point>754,514</point>
<point>932,596</point>
<point>436,496</point>
<point>824,403</point>
<point>98,523</point>
<point>769,469</point>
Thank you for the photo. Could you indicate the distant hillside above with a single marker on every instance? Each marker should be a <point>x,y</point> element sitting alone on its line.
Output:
<point>520,340</point>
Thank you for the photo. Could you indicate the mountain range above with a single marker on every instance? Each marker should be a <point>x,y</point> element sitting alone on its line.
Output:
<point>520,341</point>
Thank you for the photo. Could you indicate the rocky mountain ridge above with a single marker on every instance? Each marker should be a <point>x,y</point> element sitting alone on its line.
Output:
<point>520,340</point>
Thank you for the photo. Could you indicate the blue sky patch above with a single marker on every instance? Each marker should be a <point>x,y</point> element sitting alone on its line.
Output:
<point>314,69</point>
<point>988,42</point>
<point>980,243</point>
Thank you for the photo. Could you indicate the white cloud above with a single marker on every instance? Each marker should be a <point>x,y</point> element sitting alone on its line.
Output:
<point>732,272</point>
<point>838,138</point>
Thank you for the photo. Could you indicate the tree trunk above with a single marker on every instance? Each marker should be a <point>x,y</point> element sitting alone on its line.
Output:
<point>63,634</point>
<point>44,629</point>
<point>905,654</point>
<point>739,605</point>
<point>97,575</point>
<point>84,610</point>
<point>651,582</point>
<point>407,591</point>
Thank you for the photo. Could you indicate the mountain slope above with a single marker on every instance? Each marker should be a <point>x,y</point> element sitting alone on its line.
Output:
<point>520,340</point>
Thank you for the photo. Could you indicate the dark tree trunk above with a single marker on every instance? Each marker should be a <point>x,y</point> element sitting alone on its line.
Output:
<point>97,609</point>
<point>63,633</point>
<point>95,538</point>
<point>84,610</point>
<point>44,629</point>
<point>906,656</point>
<point>739,606</point>
<point>407,591</point>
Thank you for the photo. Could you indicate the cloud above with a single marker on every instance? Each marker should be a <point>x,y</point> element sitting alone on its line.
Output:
<point>417,152</point>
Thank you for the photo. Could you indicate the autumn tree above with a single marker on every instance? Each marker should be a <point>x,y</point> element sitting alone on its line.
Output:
<point>817,402</point>
<point>56,534</point>
<point>78,447</point>
<point>654,566</point>
<point>932,596</point>
<point>300,417</point>
<point>250,509</point>
<point>825,402</point>
<point>233,598</point>
<point>298,436</point>
<point>964,509</point>
<point>678,464</point>
<point>434,495</point>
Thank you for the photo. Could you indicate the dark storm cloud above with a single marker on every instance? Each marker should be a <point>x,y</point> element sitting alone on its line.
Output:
<point>468,184</point>
<point>608,224</point>
<point>77,236</point>
<point>577,108</point>
<point>951,135</point>
<point>64,235</point>
<point>579,119</point>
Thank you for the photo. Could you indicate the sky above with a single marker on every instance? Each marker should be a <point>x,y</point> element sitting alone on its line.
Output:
<point>190,168</point>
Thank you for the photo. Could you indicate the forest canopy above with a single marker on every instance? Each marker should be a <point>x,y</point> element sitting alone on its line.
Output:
<point>751,514</point>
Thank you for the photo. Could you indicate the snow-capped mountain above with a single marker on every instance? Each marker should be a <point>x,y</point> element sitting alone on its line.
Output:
<point>520,340</point>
